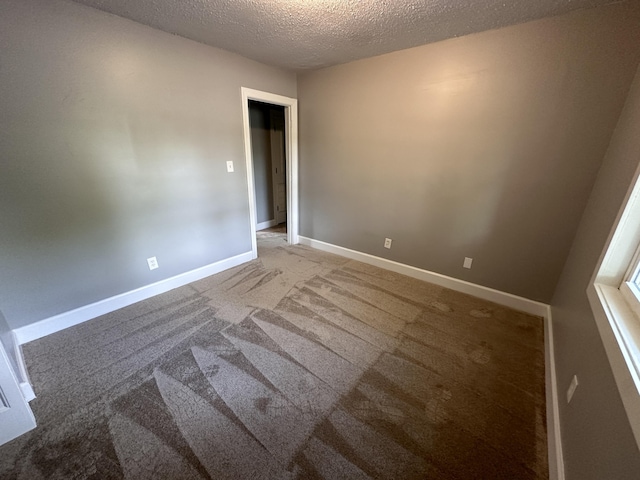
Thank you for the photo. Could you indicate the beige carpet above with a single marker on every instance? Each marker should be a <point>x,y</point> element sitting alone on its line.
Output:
<point>299,364</point>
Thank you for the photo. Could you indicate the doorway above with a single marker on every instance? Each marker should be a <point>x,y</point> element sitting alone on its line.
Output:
<point>272,182</point>
<point>268,150</point>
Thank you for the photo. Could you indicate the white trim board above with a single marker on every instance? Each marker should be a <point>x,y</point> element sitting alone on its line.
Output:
<point>507,299</point>
<point>291,137</point>
<point>25,382</point>
<point>554,439</point>
<point>554,443</point>
<point>267,224</point>
<point>14,352</point>
<point>27,391</point>
<point>68,319</point>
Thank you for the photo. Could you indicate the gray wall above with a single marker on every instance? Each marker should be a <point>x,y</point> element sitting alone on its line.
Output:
<point>597,440</point>
<point>484,146</point>
<point>261,149</point>
<point>113,143</point>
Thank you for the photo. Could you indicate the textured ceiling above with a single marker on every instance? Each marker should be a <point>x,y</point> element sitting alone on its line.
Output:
<point>306,34</point>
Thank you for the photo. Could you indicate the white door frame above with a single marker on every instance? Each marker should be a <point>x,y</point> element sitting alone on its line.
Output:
<point>291,137</point>
<point>16,416</point>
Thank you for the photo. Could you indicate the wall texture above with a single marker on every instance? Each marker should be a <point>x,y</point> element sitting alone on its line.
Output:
<point>597,440</point>
<point>484,146</point>
<point>113,143</point>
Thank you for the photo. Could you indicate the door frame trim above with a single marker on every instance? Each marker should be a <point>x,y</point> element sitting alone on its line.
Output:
<point>291,137</point>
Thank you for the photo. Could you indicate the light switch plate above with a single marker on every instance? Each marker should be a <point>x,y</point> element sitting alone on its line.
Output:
<point>230,166</point>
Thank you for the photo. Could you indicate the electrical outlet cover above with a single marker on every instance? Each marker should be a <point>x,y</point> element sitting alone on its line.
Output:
<point>572,388</point>
<point>153,263</point>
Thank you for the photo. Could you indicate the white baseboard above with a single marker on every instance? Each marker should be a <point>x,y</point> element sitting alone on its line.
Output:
<point>556,462</point>
<point>27,391</point>
<point>59,322</point>
<point>23,374</point>
<point>554,440</point>
<point>267,224</point>
<point>507,299</point>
